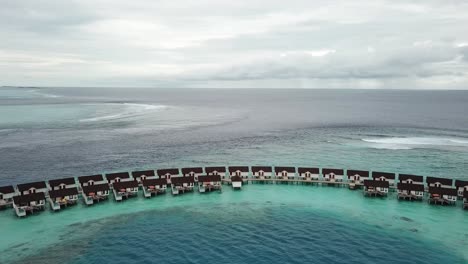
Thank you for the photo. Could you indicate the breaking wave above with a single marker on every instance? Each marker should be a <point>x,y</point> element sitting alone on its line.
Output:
<point>414,142</point>
<point>130,110</point>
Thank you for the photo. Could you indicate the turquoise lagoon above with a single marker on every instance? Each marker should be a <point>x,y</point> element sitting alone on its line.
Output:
<point>259,217</point>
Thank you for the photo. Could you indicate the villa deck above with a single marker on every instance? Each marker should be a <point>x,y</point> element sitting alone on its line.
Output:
<point>285,173</point>
<point>125,189</point>
<point>410,191</point>
<point>182,184</point>
<point>153,187</point>
<point>465,200</point>
<point>308,175</point>
<point>95,193</point>
<point>28,203</point>
<point>208,183</point>
<point>376,188</point>
<point>356,178</point>
<point>333,175</point>
<point>442,195</point>
<point>61,198</point>
<point>462,187</point>
<point>6,196</point>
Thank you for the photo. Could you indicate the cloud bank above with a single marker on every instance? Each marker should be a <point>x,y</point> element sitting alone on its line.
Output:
<point>235,44</point>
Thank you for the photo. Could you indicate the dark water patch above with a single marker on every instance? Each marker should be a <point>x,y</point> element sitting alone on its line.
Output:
<point>18,245</point>
<point>237,234</point>
<point>406,219</point>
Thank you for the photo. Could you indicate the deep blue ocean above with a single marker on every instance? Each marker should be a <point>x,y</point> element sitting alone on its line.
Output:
<point>60,132</point>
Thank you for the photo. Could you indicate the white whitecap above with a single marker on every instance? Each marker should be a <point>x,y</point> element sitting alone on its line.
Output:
<point>414,142</point>
<point>129,110</point>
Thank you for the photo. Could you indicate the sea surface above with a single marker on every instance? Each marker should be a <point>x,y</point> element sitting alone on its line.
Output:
<point>50,133</point>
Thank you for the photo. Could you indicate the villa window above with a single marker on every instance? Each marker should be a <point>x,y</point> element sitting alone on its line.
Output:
<point>1,196</point>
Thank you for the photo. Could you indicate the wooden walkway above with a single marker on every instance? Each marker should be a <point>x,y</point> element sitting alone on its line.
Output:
<point>228,181</point>
<point>298,181</point>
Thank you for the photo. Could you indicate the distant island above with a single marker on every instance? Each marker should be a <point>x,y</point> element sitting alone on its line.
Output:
<point>20,87</point>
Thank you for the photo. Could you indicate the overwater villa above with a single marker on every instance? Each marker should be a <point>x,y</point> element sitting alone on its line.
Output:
<point>95,193</point>
<point>308,174</point>
<point>208,183</point>
<point>182,184</point>
<point>262,172</point>
<point>376,187</point>
<point>33,187</point>
<point>168,174</point>
<point>410,178</point>
<point>285,173</point>
<point>63,192</point>
<point>384,176</point>
<point>125,189</point>
<point>25,204</point>
<point>439,182</point>
<point>93,188</point>
<point>442,195</point>
<point>410,191</point>
<point>221,171</point>
<point>462,187</point>
<point>236,182</point>
<point>465,200</point>
<point>6,196</point>
<point>356,178</point>
<point>62,198</point>
<point>194,172</point>
<point>117,177</point>
<point>153,187</point>
<point>333,175</point>
<point>64,183</point>
<point>241,171</point>
<point>31,198</point>
<point>140,176</point>
<point>91,180</point>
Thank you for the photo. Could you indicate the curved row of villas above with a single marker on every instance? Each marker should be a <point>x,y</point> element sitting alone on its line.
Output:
<point>30,197</point>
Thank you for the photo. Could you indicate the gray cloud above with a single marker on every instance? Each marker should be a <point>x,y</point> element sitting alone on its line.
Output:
<point>208,43</point>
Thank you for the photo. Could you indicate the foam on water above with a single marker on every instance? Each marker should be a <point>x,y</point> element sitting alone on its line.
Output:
<point>128,110</point>
<point>414,142</point>
<point>261,223</point>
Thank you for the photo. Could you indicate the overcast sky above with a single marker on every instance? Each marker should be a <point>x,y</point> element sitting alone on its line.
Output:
<point>255,43</point>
